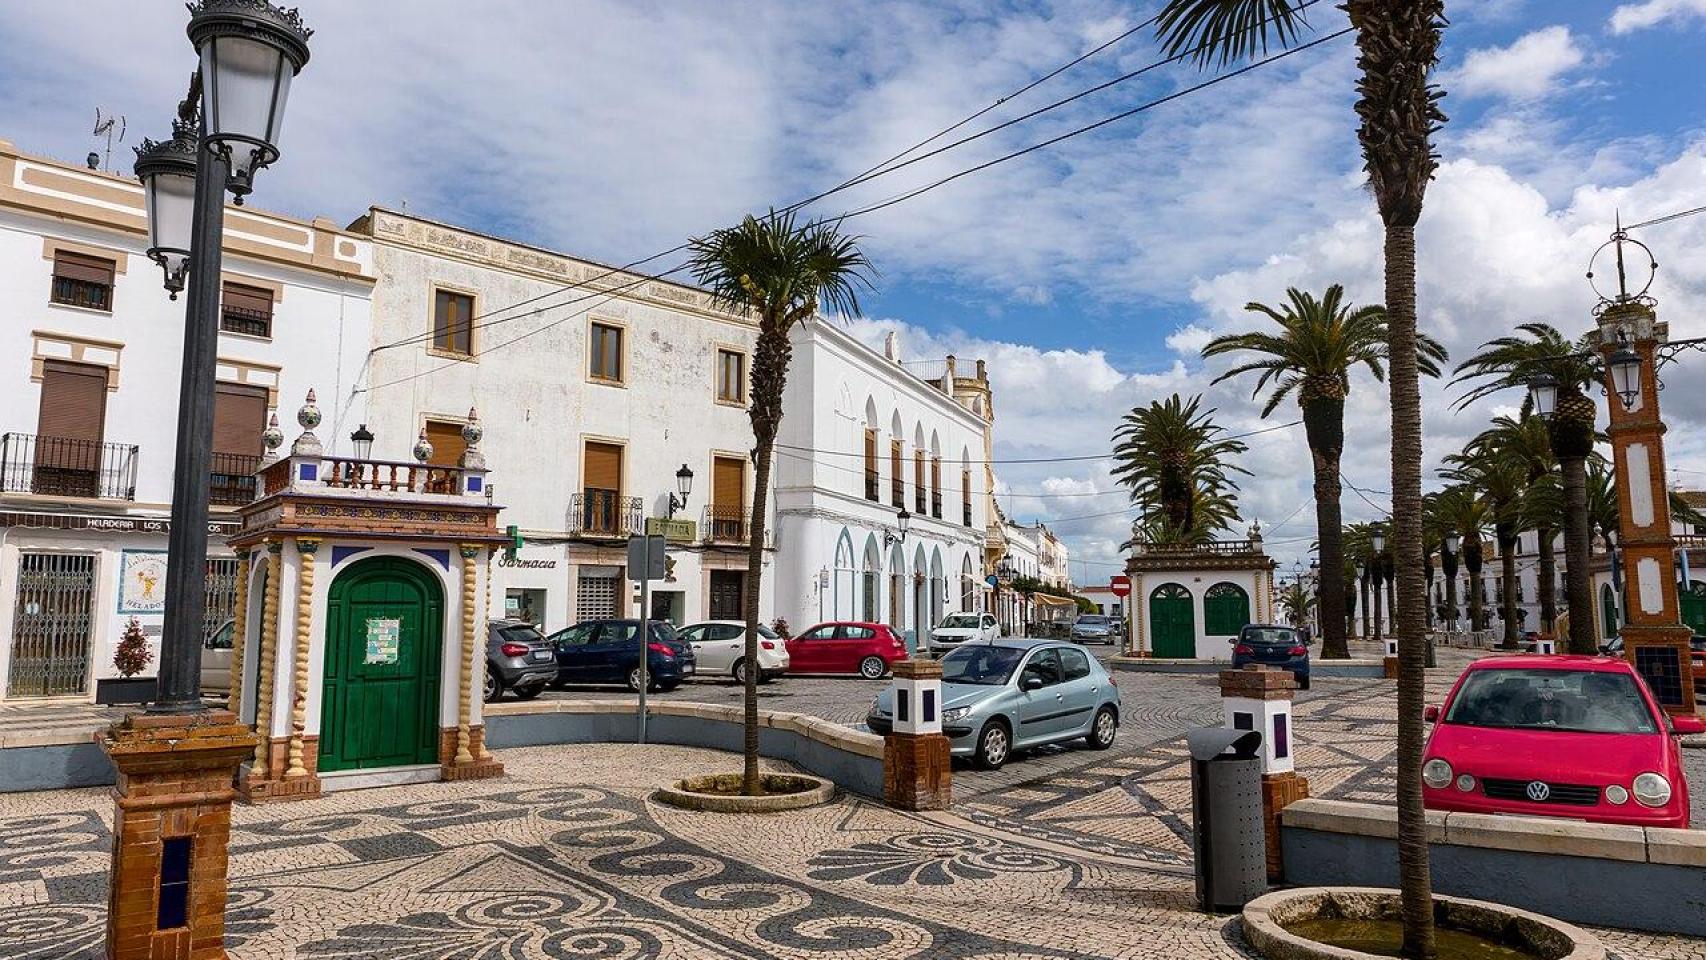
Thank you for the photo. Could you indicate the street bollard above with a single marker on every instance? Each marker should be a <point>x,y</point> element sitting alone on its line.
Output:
<point>1389,665</point>
<point>917,768</point>
<point>1258,698</point>
<point>1546,646</point>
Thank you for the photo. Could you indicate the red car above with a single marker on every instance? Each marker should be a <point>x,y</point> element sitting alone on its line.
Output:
<point>866,649</point>
<point>1567,736</point>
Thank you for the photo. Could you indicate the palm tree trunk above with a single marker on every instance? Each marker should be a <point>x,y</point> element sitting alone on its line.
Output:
<point>1477,597</point>
<point>1578,544</point>
<point>1548,582</point>
<point>769,377</point>
<point>1415,887</point>
<point>1377,606</point>
<point>1392,599</point>
<point>1327,418</point>
<point>1507,576</point>
<point>1364,605</point>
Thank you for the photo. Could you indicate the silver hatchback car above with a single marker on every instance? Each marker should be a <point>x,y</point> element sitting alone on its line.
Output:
<point>1010,694</point>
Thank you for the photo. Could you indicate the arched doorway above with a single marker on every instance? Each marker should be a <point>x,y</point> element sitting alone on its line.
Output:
<point>1172,622</point>
<point>1607,612</point>
<point>1225,610</point>
<point>384,643</point>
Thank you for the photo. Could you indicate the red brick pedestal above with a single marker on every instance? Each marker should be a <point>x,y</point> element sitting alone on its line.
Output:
<point>917,771</point>
<point>1258,697</point>
<point>1279,790</point>
<point>484,766</point>
<point>170,832</point>
<point>274,786</point>
<point>1389,667</point>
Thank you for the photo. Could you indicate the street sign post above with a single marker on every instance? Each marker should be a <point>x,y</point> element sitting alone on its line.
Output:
<point>1120,585</point>
<point>646,562</point>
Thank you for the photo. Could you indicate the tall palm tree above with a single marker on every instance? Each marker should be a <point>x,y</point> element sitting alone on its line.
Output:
<point>1296,601</point>
<point>779,273</point>
<point>1358,539</point>
<point>1319,343</point>
<point>1514,362</point>
<point>1398,109</point>
<point>1458,510</point>
<point>1488,465</point>
<point>1174,460</point>
<point>1528,441</point>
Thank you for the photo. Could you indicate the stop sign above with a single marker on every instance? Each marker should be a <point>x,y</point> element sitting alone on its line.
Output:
<point>1120,585</point>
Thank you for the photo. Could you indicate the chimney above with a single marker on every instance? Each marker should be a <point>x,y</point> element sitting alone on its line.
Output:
<point>982,374</point>
<point>891,346</point>
<point>948,375</point>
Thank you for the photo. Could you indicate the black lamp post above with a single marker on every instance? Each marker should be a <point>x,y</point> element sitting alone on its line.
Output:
<point>1543,395</point>
<point>249,51</point>
<point>362,441</point>
<point>683,486</point>
<point>904,521</point>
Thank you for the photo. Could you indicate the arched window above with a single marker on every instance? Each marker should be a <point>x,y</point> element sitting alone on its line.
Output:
<point>938,587</point>
<point>844,583</point>
<point>1225,610</point>
<point>897,590</point>
<point>968,586</point>
<point>870,591</point>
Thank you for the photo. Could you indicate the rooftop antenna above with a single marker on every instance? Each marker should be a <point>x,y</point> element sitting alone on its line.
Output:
<point>112,127</point>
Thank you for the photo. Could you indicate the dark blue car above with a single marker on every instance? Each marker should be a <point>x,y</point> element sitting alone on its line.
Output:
<point>1276,646</point>
<point>608,651</point>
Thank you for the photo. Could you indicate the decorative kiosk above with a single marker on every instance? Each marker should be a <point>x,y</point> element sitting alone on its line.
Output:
<point>360,628</point>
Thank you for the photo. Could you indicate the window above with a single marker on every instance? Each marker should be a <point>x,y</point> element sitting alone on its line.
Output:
<point>871,482</point>
<point>453,323</point>
<point>936,487</point>
<point>918,484</point>
<point>239,416</point>
<point>897,474</point>
<point>727,511</point>
<point>605,350</point>
<point>447,443</point>
<point>1226,610</point>
<point>731,376</point>
<point>601,507</point>
<point>246,310</point>
<point>1044,666</point>
<point>965,496</point>
<point>1075,663</point>
<point>80,280</point>
<point>70,455</point>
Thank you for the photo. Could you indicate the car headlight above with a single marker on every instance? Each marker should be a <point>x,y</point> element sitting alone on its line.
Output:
<point>1652,790</point>
<point>1436,773</point>
<point>1466,783</point>
<point>1616,795</point>
<point>954,713</point>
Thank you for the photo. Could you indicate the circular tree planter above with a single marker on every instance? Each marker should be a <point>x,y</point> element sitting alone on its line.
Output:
<point>720,793</point>
<point>1275,923</point>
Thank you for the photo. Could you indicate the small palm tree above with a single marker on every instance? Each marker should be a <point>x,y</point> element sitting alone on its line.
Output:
<point>1296,601</point>
<point>1174,460</point>
<point>1458,510</point>
<point>1489,466</point>
<point>1319,343</point>
<point>779,273</point>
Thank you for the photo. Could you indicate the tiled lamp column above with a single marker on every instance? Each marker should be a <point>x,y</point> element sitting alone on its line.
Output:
<point>917,768</point>
<point>1259,698</point>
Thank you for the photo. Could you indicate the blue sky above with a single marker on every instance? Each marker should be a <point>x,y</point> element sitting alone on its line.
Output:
<point>1088,274</point>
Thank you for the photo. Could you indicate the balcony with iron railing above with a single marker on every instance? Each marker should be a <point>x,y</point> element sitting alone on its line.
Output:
<point>727,524</point>
<point>936,504</point>
<point>244,320</point>
<point>606,514</point>
<point>965,513</point>
<point>897,491</point>
<point>232,479</point>
<point>873,486</point>
<point>67,467</point>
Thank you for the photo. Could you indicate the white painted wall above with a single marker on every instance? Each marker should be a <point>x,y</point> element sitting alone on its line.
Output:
<point>1208,647</point>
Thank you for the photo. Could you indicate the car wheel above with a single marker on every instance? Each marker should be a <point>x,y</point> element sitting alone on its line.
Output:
<point>1303,682</point>
<point>528,693</point>
<point>634,679</point>
<point>873,668</point>
<point>994,745</point>
<point>494,687</point>
<point>739,672</point>
<point>1103,729</point>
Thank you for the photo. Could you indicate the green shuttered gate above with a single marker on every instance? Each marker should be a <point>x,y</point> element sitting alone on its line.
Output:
<point>1172,622</point>
<point>384,640</point>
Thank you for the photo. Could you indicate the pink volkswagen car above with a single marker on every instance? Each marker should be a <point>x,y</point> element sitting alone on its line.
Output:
<point>1578,737</point>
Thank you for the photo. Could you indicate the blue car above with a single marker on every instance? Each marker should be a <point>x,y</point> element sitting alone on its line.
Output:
<point>1275,646</point>
<point>608,651</point>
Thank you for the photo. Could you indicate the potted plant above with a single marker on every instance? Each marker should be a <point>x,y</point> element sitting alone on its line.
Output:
<point>131,658</point>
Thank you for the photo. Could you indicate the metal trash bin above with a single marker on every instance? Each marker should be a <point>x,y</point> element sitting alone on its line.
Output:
<point>1226,808</point>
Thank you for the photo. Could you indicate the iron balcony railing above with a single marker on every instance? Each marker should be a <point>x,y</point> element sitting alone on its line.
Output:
<point>727,524</point>
<point>936,503</point>
<point>919,498</point>
<point>871,485</point>
<point>606,513</point>
<point>232,479</point>
<point>255,323</point>
<point>897,491</point>
<point>965,513</point>
<point>66,467</point>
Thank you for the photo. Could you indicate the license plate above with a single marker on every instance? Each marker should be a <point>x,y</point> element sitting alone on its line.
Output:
<point>540,655</point>
<point>687,668</point>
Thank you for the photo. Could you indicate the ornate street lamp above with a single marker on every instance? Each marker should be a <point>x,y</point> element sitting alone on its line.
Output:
<point>1543,395</point>
<point>1625,367</point>
<point>167,171</point>
<point>250,50</point>
<point>362,439</point>
<point>904,521</point>
<point>1378,541</point>
<point>683,486</point>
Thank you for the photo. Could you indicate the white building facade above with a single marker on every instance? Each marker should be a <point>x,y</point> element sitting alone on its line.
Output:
<point>620,383</point>
<point>862,441</point>
<point>92,352</point>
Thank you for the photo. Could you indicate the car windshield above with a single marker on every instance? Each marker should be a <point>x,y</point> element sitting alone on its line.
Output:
<point>521,634</point>
<point>1269,635</point>
<point>982,666</point>
<point>961,621</point>
<point>1094,621</point>
<point>1584,701</point>
<point>768,633</point>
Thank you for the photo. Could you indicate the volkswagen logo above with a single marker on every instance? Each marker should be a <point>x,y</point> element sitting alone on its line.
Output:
<point>1538,791</point>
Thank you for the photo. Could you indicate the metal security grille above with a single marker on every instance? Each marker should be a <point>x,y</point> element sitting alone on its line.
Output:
<point>597,598</point>
<point>221,594</point>
<point>51,625</point>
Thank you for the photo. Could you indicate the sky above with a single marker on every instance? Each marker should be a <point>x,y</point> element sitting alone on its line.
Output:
<point>1088,273</point>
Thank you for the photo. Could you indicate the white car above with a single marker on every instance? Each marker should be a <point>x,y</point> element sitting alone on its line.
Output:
<point>958,628</point>
<point>720,646</point>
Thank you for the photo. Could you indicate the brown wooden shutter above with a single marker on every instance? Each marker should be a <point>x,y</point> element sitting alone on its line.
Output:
<point>728,483</point>
<point>79,266</point>
<point>73,401</point>
<point>447,443</point>
<point>452,324</point>
<point>603,466</point>
<point>239,416</point>
<point>870,449</point>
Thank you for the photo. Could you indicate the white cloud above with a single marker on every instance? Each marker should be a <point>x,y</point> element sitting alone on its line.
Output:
<point>1528,69</point>
<point>1630,17</point>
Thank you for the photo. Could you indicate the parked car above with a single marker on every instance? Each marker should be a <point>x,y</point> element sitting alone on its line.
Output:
<point>608,651</point>
<point>1568,736</point>
<point>1094,626</point>
<point>719,646</point>
<point>958,628</point>
<point>216,660</point>
<point>866,649</point>
<point>518,659</point>
<point>1011,694</point>
<point>1274,645</point>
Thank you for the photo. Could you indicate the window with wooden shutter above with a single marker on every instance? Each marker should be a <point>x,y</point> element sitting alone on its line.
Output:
<point>897,474</point>
<point>728,498</point>
<point>936,487</point>
<point>871,485</point>
<point>965,496</point>
<point>239,416</point>
<point>918,485</point>
<point>453,322</point>
<point>601,496</point>
<point>603,466</point>
<point>605,349</point>
<point>246,310</point>
<point>731,376</point>
<point>447,443</point>
<point>80,280</point>
<point>69,429</point>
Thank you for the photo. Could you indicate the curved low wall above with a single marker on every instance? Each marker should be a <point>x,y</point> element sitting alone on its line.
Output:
<point>1361,669</point>
<point>852,759</point>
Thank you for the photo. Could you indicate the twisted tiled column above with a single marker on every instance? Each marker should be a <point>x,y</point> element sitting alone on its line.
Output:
<point>239,634</point>
<point>305,548</point>
<point>491,556</point>
<point>465,689</point>
<point>268,653</point>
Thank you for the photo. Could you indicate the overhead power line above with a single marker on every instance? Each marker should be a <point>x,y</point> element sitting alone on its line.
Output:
<point>1075,458</point>
<point>1666,218</point>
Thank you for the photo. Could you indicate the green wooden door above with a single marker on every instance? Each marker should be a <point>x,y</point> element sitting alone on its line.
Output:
<point>1172,622</point>
<point>384,626</point>
<point>1607,612</point>
<point>1225,610</point>
<point>1693,602</point>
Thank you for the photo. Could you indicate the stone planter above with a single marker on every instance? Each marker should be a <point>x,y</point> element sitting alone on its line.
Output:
<point>709,793</point>
<point>120,690</point>
<point>1267,917</point>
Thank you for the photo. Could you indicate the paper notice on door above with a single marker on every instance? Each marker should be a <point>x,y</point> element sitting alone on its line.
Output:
<point>382,638</point>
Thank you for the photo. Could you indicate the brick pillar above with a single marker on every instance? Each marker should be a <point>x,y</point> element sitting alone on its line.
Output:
<point>917,768</point>
<point>1258,697</point>
<point>171,827</point>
